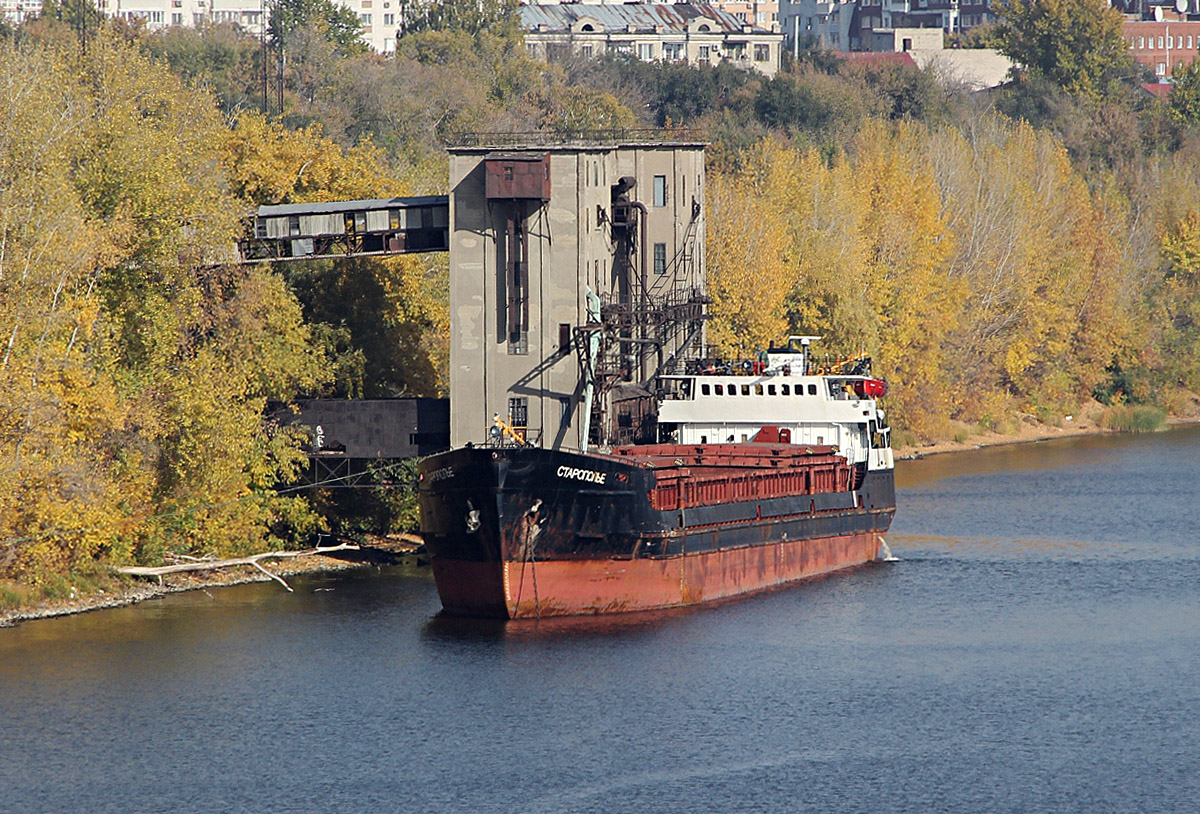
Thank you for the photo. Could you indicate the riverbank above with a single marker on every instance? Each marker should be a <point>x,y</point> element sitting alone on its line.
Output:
<point>1089,421</point>
<point>388,551</point>
<point>129,591</point>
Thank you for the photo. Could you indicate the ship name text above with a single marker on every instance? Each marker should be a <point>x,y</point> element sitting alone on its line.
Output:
<point>582,474</point>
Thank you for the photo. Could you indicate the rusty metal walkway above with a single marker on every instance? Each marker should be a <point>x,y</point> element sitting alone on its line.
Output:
<point>380,226</point>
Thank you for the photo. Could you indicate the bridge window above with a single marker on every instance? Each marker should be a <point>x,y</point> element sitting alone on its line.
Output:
<point>785,389</point>
<point>770,389</point>
<point>758,389</point>
<point>733,389</point>
<point>745,389</point>
<point>719,389</point>
<point>704,389</point>
<point>812,389</point>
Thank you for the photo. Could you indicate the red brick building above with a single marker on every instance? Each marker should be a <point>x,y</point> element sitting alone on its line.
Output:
<point>1163,46</point>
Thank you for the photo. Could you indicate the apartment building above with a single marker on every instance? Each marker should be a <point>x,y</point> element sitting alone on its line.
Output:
<point>849,25</point>
<point>380,19</point>
<point>693,33</point>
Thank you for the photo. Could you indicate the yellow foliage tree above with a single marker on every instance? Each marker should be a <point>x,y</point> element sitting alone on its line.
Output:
<point>134,368</point>
<point>749,276</point>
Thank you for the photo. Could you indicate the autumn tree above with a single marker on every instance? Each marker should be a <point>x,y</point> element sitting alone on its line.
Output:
<point>748,246</point>
<point>135,363</point>
<point>1076,44</point>
<point>383,324</point>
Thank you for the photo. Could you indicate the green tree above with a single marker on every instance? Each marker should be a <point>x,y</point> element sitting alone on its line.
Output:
<point>470,16</point>
<point>83,16</point>
<point>1185,94</point>
<point>220,57</point>
<point>1077,44</point>
<point>335,23</point>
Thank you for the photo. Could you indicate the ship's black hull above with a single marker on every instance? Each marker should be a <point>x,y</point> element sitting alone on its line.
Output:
<point>520,532</point>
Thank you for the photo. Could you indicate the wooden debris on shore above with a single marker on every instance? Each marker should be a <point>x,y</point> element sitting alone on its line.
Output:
<point>211,565</point>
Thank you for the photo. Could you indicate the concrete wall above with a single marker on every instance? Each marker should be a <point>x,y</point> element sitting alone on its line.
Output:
<point>570,249</point>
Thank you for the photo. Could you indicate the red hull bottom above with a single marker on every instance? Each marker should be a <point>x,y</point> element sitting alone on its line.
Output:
<point>518,590</point>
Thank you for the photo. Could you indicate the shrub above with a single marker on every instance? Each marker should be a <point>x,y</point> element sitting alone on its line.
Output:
<point>1138,418</point>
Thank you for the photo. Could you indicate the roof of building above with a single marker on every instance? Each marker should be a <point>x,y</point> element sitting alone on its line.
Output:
<point>643,17</point>
<point>329,207</point>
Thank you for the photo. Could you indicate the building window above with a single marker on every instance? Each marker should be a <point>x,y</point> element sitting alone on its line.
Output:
<point>176,19</point>
<point>389,19</point>
<point>1141,43</point>
<point>660,258</point>
<point>1161,69</point>
<point>1160,42</point>
<point>704,50</point>
<point>365,19</point>
<point>585,51</point>
<point>660,190</point>
<point>518,412</point>
<point>673,50</point>
<point>1189,45</point>
<point>762,52</point>
<point>645,51</point>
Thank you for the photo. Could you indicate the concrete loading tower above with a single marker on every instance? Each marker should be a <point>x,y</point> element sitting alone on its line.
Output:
<point>576,279</point>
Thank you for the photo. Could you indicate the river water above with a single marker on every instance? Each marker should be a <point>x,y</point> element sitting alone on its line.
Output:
<point>1035,649</point>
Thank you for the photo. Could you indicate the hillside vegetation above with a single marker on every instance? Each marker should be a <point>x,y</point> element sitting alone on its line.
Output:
<point>1015,252</point>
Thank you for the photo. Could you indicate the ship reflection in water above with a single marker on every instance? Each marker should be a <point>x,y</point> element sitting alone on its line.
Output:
<point>1035,649</point>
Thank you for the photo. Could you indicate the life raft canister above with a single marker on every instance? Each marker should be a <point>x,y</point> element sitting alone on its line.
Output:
<point>870,388</point>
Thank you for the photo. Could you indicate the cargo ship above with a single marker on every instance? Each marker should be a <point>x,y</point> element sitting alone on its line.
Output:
<point>760,474</point>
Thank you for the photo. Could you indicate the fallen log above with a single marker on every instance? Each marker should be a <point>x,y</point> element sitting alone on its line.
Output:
<point>209,565</point>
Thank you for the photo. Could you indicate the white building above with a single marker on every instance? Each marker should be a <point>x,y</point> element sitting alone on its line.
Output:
<point>825,24</point>
<point>380,19</point>
<point>694,33</point>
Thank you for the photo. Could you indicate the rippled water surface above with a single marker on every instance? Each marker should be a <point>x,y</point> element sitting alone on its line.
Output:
<point>1035,649</point>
